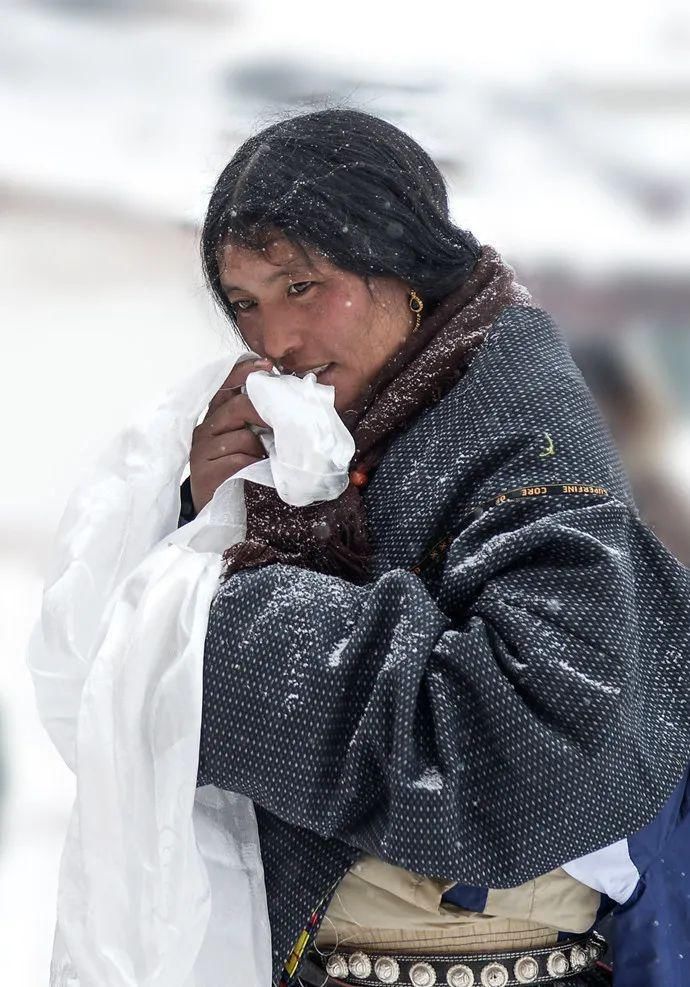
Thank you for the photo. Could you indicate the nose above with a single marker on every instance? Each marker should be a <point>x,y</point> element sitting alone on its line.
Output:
<point>282,332</point>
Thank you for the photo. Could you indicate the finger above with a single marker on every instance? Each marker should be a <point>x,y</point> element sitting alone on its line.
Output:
<point>235,413</point>
<point>229,465</point>
<point>235,379</point>
<point>240,441</point>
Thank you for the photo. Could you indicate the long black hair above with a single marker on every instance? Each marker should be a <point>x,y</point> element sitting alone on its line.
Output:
<point>349,184</point>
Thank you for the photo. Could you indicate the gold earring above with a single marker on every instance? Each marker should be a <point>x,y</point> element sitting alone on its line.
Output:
<point>416,305</point>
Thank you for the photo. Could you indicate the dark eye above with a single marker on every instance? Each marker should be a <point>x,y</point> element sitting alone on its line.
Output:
<point>243,305</point>
<point>300,287</point>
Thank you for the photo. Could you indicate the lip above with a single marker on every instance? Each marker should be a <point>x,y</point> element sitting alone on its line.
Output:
<point>325,375</point>
<point>326,378</point>
<point>320,369</point>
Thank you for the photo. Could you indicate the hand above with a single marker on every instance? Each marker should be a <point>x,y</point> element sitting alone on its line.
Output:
<point>222,444</point>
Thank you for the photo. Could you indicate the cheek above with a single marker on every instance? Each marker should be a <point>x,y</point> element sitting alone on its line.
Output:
<point>250,336</point>
<point>344,314</point>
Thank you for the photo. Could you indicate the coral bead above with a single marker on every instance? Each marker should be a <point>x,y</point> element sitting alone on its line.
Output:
<point>359,478</point>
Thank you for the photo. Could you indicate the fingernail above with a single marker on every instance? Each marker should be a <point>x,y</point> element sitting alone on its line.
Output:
<point>262,363</point>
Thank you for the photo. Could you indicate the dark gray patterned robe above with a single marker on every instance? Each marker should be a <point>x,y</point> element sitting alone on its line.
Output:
<point>518,702</point>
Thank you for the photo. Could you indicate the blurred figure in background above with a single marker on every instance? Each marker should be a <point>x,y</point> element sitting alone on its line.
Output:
<point>641,417</point>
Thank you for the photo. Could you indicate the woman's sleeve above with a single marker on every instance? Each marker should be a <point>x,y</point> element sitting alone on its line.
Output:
<point>187,512</point>
<point>369,713</point>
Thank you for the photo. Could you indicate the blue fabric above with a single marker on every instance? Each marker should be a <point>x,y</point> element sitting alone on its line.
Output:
<point>648,844</point>
<point>651,932</point>
<point>467,896</point>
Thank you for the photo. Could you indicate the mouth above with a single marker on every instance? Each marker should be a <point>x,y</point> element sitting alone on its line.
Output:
<point>317,371</point>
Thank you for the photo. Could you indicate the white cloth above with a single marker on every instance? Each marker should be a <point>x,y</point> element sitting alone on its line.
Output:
<point>161,884</point>
<point>610,871</point>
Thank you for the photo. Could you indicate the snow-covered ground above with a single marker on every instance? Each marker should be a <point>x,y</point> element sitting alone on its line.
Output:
<point>565,137</point>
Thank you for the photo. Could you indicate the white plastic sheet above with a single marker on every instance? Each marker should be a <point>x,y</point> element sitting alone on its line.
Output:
<point>161,884</point>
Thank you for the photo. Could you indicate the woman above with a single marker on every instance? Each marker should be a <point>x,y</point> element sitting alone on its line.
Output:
<point>448,687</point>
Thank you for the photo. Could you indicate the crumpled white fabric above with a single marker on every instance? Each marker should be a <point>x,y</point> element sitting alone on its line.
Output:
<point>161,884</point>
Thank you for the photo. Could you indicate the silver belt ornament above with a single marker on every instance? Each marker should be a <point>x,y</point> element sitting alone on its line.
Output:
<point>500,969</point>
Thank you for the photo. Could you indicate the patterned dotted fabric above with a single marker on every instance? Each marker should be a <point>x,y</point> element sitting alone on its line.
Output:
<point>522,704</point>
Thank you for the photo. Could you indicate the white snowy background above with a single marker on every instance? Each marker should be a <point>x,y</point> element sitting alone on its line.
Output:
<point>564,132</point>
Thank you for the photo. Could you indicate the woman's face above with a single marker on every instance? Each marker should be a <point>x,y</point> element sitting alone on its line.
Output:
<point>302,312</point>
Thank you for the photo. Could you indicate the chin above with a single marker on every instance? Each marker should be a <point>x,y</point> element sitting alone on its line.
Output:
<point>342,399</point>
<point>347,391</point>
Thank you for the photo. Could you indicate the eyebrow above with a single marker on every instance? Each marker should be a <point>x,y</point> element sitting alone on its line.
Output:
<point>268,280</point>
